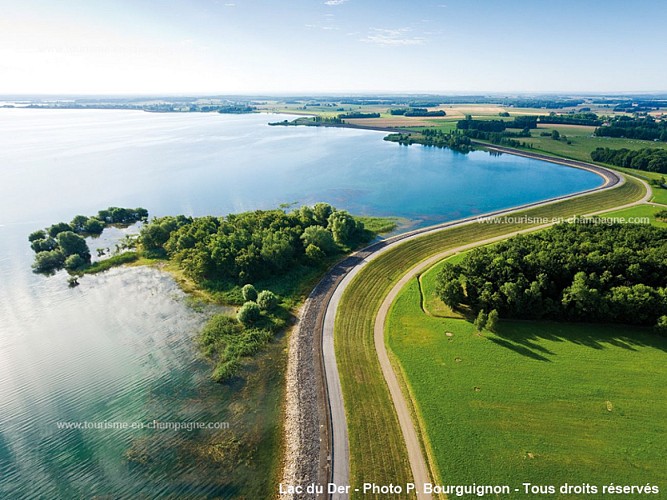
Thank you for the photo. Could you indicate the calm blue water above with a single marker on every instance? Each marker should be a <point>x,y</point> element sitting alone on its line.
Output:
<point>119,347</point>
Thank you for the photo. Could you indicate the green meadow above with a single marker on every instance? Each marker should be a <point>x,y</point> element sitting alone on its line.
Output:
<point>640,211</point>
<point>539,402</point>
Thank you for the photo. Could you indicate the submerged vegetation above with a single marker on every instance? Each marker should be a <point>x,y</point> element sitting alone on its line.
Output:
<point>231,256</point>
<point>281,252</point>
<point>63,244</point>
<point>225,340</point>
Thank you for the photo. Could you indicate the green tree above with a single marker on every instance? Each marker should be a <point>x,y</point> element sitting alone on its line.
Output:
<point>78,223</point>
<point>320,237</point>
<point>343,227</point>
<point>249,293</point>
<point>661,325</point>
<point>481,321</point>
<point>322,212</point>
<point>248,314</point>
<point>58,228</point>
<point>49,260</point>
<point>93,226</point>
<point>555,135</point>
<point>450,292</point>
<point>267,300</point>
<point>492,321</point>
<point>37,235</point>
<point>71,244</point>
<point>314,254</point>
<point>44,245</point>
<point>74,262</point>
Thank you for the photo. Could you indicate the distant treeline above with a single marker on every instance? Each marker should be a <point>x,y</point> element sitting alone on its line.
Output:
<point>644,128</point>
<point>648,159</point>
<point>590,119</point>
<point>63,244</point>
<point>501,138</point>
<point>521,122</point>
<point>353,115</point>
<point>638,106</point>
<point>154,108</point>
<point>416,112</point>
<point>432,101</point>
<point>542,103</point>
<point>436,138</point>
<point>584,271</point>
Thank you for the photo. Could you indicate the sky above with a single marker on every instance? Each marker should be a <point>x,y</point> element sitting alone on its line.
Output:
<point>331,46</point>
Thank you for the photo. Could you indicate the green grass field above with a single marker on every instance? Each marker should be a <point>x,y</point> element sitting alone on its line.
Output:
<point>430,301</point>
<point>659,196</point>
<point>369,410</point>
<point>545,403</point>
<point>640,211</point>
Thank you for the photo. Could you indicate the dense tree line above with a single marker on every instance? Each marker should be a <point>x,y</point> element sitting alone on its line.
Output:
<point>424,112</point>
<point>358,114</point>
<point>437,138</point>
<point>63,244</point>
<point>505,138</point>
<point>573,272</point>
<point>253,245</point>
<point>542,103</point>
<point>644,128</point>
<point>590,119</point>
<point>639,106</point>
<point>483,125</point>
<point>648,159</point>
<point>523,122</point>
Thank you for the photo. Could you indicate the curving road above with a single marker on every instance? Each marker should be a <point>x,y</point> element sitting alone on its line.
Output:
<point>317,448</point>
<point>349,269</point>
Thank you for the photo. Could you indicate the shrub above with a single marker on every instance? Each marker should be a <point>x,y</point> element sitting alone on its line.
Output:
<point>249,313</point>
<point>249,293</point>
<point>267,300</point>
<point>37,235</point>
<point>315,254</point>
<point>218,327</point>
<point>44,244</point>
<point>74,262</point>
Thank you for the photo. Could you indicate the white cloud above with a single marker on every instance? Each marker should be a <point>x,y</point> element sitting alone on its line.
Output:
<point>392,37</point>
<point>334,2</point>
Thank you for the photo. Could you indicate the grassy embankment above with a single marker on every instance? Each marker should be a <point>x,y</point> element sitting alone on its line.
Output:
<point>370,412</point>
<point>539,402</point>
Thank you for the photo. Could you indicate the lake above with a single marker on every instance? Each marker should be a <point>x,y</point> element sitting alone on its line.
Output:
<point>119,348</point>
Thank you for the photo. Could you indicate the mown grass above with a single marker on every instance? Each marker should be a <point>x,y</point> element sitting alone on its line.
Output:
<point>539,402</point>
<point>383,459</point>
<point>430,301</point>
<point>659,196</point>
<point>644,211</point>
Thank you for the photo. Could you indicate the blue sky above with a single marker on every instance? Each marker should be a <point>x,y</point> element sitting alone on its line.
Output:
<point>319,46</point>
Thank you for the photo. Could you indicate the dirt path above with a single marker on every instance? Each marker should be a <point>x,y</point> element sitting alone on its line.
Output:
<point>415,455</point>
<point>317,447</point>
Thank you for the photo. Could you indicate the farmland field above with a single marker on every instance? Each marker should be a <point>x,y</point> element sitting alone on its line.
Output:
<point>546,403</point>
